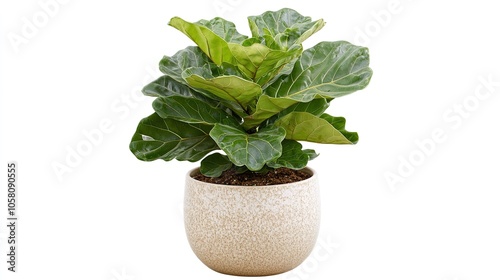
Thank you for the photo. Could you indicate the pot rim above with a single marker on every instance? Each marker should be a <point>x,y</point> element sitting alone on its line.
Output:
<point>307,169</point>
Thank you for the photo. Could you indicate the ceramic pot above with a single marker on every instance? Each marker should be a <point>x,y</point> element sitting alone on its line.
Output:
<point>252,230</point>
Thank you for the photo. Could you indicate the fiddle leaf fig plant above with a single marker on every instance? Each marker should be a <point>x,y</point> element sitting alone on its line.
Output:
<point>251,98</point>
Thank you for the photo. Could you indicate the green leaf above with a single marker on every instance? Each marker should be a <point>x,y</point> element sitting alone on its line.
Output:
<point>286,69</point>
<point>266,107</point>
<point>255,61</point>
<point>166,86</point>
<point>189,57</point>
<point>311,153</point>
<point>214,164</point>
<point>272,108</point>
<point>303,126</point>
<point>285,27</point>
<point>251,150</point>
<point>191,110</point>
<point>224,29</point>
<point>315,107</point>
<point>212,42</point>
<point>327,70</point>
<point>192,60</point>
<point>339,124</point>
<point>260,63</point>
<point>240,169</point>
<point>231,88</point>
<point>168,139</point>
<point>292,156</point>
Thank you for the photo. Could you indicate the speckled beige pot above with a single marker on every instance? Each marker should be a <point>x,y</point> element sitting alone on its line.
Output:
<point>252,231</point>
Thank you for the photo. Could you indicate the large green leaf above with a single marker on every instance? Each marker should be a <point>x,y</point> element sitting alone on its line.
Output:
<point>285,27</point>
<point>250,150</point>
<point>191,110</point>
<point>214,164</point>
<point>327,70</point>
<point>303,126</point>
<point>230,88</point>
<point>168,139</point>
<point>292,156</point>
<point>212,42</point>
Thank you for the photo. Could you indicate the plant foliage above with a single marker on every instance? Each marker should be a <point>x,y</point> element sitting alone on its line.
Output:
<point>252,97</point>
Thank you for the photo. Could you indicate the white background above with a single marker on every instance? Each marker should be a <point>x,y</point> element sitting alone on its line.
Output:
<point>113,217</point>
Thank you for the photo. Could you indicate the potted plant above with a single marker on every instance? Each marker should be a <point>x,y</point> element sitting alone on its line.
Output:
<point>252,208</point>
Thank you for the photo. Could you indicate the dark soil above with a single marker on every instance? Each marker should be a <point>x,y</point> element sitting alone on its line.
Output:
<point>273,177</point>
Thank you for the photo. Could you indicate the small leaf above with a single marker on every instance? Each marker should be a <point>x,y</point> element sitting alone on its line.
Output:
<point>311,153</point>
<point>292,156</point>
<point>265,169</point>
<point>302,126</point>
<point>191,110</point>
<point>260,63</point>
<point>251,150</point>
<point>168,139</point>
<point>240,169</point>
<point>214,164</point>
<point>285,27</point>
